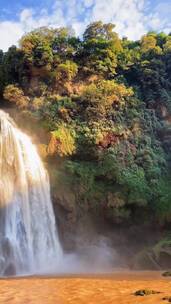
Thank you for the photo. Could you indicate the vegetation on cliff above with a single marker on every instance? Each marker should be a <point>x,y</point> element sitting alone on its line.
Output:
<point>106,103</point>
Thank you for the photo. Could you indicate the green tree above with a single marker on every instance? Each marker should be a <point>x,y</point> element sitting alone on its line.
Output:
<point>147,43</point>
<point>100,47</point>
<point>37,49</point>
<point>65,44</point>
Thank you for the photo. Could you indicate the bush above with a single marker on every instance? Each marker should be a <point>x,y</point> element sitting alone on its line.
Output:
<point>66,71</point>
<point>37,103</point>
<point>62,142</point>
<point>15,95</point>
<point>105,96</point>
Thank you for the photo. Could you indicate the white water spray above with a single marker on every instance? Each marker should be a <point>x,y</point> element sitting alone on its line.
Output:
<point>28,236</point>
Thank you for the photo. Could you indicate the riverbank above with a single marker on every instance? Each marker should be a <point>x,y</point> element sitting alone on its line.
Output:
<point>116,288</point>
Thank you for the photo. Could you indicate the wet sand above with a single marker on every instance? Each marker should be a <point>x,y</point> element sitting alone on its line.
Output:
<point>117,288</point>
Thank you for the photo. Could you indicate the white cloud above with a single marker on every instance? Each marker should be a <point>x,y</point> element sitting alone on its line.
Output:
<point>130,17</point>
<point>10,32</point>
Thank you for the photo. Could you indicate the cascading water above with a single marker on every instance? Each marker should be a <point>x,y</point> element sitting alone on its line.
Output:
<point>28,236</point>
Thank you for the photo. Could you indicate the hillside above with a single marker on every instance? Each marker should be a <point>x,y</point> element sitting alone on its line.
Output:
<point>104,105</point>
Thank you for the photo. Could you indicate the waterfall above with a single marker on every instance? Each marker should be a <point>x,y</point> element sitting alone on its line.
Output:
<point>28,238</point>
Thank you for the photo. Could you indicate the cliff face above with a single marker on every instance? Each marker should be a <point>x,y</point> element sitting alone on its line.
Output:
<point>84,229</point>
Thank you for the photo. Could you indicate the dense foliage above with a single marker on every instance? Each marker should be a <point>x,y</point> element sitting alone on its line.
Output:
<point>106,102</point>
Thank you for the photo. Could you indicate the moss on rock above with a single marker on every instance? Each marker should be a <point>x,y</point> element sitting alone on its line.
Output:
<point>145,292</point>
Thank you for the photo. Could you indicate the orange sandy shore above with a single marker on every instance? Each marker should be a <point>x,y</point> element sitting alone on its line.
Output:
<point>116,288</point>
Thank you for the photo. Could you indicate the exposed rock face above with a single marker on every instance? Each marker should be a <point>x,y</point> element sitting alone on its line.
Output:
<point>155,258</point>
<point>66,220</point>
<point>145,260</point>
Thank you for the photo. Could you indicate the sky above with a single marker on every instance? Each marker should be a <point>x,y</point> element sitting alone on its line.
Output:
<point>132,18</point>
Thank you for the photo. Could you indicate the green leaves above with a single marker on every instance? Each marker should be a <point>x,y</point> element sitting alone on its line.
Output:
<point>100,99</point>
<point>16,96</point>
<point>65,71</point>
<point>62,141</point>
<point>162,206</point>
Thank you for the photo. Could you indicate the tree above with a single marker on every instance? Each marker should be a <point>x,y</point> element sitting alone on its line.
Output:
<point>37,49</point>
<point>167,45</point>
<point>147,43</point>
<point>13,65</point>
<point>100,47</point>
<point>64,43</point>
<point>98,30</point>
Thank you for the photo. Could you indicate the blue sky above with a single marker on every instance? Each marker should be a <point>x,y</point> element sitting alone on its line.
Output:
<point>132,17</point>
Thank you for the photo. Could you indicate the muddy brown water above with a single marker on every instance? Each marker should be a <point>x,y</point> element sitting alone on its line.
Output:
<point>115,288</point>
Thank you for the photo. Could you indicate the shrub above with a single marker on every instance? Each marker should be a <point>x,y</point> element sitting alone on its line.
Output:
<point>66,71</point>
<point>15,95</point>
<point>62,141</point>
<point>100,99</point>
<point>37,103</point>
